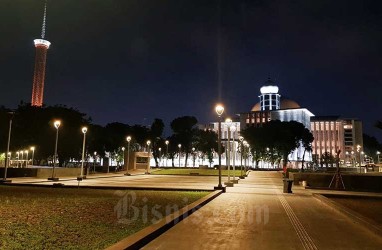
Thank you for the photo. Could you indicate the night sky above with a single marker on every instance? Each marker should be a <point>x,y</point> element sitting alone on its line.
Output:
<point>135,60</point>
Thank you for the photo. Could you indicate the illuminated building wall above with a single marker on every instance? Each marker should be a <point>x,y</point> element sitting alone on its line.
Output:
<point>42,47</point>
<point>332,133</point>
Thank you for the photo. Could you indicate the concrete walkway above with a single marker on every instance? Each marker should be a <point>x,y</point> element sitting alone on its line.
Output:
<point>256,215</point>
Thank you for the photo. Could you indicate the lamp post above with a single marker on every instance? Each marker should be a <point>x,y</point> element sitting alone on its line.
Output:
<point>32,149</point>
<point>228,122</point>
<point>193,157</point>
<point>219,109</point>
<point>123,156</point>
<point>94,160</point>
<point>128,139</point>
<point>57,125</point>
<point>6,156</point>
<point>160,156</point>
<point>22,158</point>
<point>166,142</point>
<point>18,158</point>
<point>148,152</point>
<point>84,130</point>
<point>27,158</point>
<point>359,154</point>
<point>233,129</point>
<point>378,153</point>
<point>179,146</point>
<point>241,139</point>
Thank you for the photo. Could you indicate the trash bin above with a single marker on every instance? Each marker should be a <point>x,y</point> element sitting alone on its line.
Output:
<point>287,185</point>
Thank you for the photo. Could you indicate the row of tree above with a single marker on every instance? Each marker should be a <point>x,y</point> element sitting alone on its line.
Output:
<point>34,126</point>
<point>275,141</point>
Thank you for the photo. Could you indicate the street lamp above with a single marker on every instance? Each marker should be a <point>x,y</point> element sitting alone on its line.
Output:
<point>57,125</point>
<point>128,139</point>
<point>241,139</point>
<point>26,162</point>
<point>18,158</point>
<point>84,130</point>
<point>219,109</point>
<point>179,146</point>
<point>378,153</point>
<point>166,142</point>
<point>233,129</point>
<point>123,156</point>
<point>32,149</point>
<point>22,158</point>
<point>228,122</point>
<point>193,157</point>
<point>160,155</point>
<point>94,160</point>
<point>148,152</point>
<point>359,154</point>
<point>6,156</point>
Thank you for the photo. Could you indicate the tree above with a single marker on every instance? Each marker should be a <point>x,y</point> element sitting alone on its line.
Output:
<point>156,132</point>
<point>206,143</point>
<point>306,141</point>
<point>184,129</point>
<point>371,146</point>
<point>280,137</point>
<point>34,126</point>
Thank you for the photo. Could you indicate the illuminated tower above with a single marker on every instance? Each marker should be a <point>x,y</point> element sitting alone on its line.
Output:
<point>42,47</point>
<point>269,98</point>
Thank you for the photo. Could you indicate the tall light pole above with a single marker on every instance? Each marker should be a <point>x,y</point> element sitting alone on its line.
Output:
<point>27,158</point>
<point>160,155</point>
<point>378,153</point>
<point>32,149</point>
<point>94,160</point>
<point>22,158</point>
<point>57,125</point>
<point>18,158</point>
<point>128,139</point>
<point>359,155</point>
<point>123,156</point>
<point>219,109</point>
<point>193,157</point>
<point>149,156</point>
<point>179,146</point>
<point>84,130</point>
<point>233,129</point>
<point>228,122</point>
<point>166,142</point>
<point>7,154</point>
<point>241,139</point>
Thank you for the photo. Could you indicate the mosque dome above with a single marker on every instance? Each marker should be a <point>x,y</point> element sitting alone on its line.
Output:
<point>284,104</point>
<point>289,104</point>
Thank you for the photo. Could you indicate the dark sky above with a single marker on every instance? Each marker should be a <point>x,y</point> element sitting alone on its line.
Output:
<point>135,60</point>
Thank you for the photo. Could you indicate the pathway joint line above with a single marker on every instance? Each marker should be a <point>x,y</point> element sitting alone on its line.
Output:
<point>304,237</point>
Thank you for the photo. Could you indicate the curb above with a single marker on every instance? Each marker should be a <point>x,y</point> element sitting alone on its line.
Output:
<point>352,215</point>
<point>146,235</point>
<point>61,185</point>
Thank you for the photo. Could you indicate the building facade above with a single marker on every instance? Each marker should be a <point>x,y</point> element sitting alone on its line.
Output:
<point>333,134</point>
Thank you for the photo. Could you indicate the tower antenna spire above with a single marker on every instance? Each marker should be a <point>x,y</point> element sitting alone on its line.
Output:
<point>44,22</point>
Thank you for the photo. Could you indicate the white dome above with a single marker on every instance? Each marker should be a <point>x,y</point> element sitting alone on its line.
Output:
<point>269,89</point>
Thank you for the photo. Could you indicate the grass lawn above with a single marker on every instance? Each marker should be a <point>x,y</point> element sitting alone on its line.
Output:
<point>59,218</point>
<point>181,171</point>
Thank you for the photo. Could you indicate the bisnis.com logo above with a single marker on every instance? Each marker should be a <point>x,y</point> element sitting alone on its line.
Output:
<point>128,210</point>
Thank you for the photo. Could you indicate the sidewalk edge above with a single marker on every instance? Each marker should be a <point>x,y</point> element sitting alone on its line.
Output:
<point>144,236</point>
<point>352,215</point>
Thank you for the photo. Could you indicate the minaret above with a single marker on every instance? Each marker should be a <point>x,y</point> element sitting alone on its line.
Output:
<point>270,97</point>
<point>42,47</point>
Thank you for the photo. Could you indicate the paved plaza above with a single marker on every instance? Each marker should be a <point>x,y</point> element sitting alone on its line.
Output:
<point>254,214</point>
